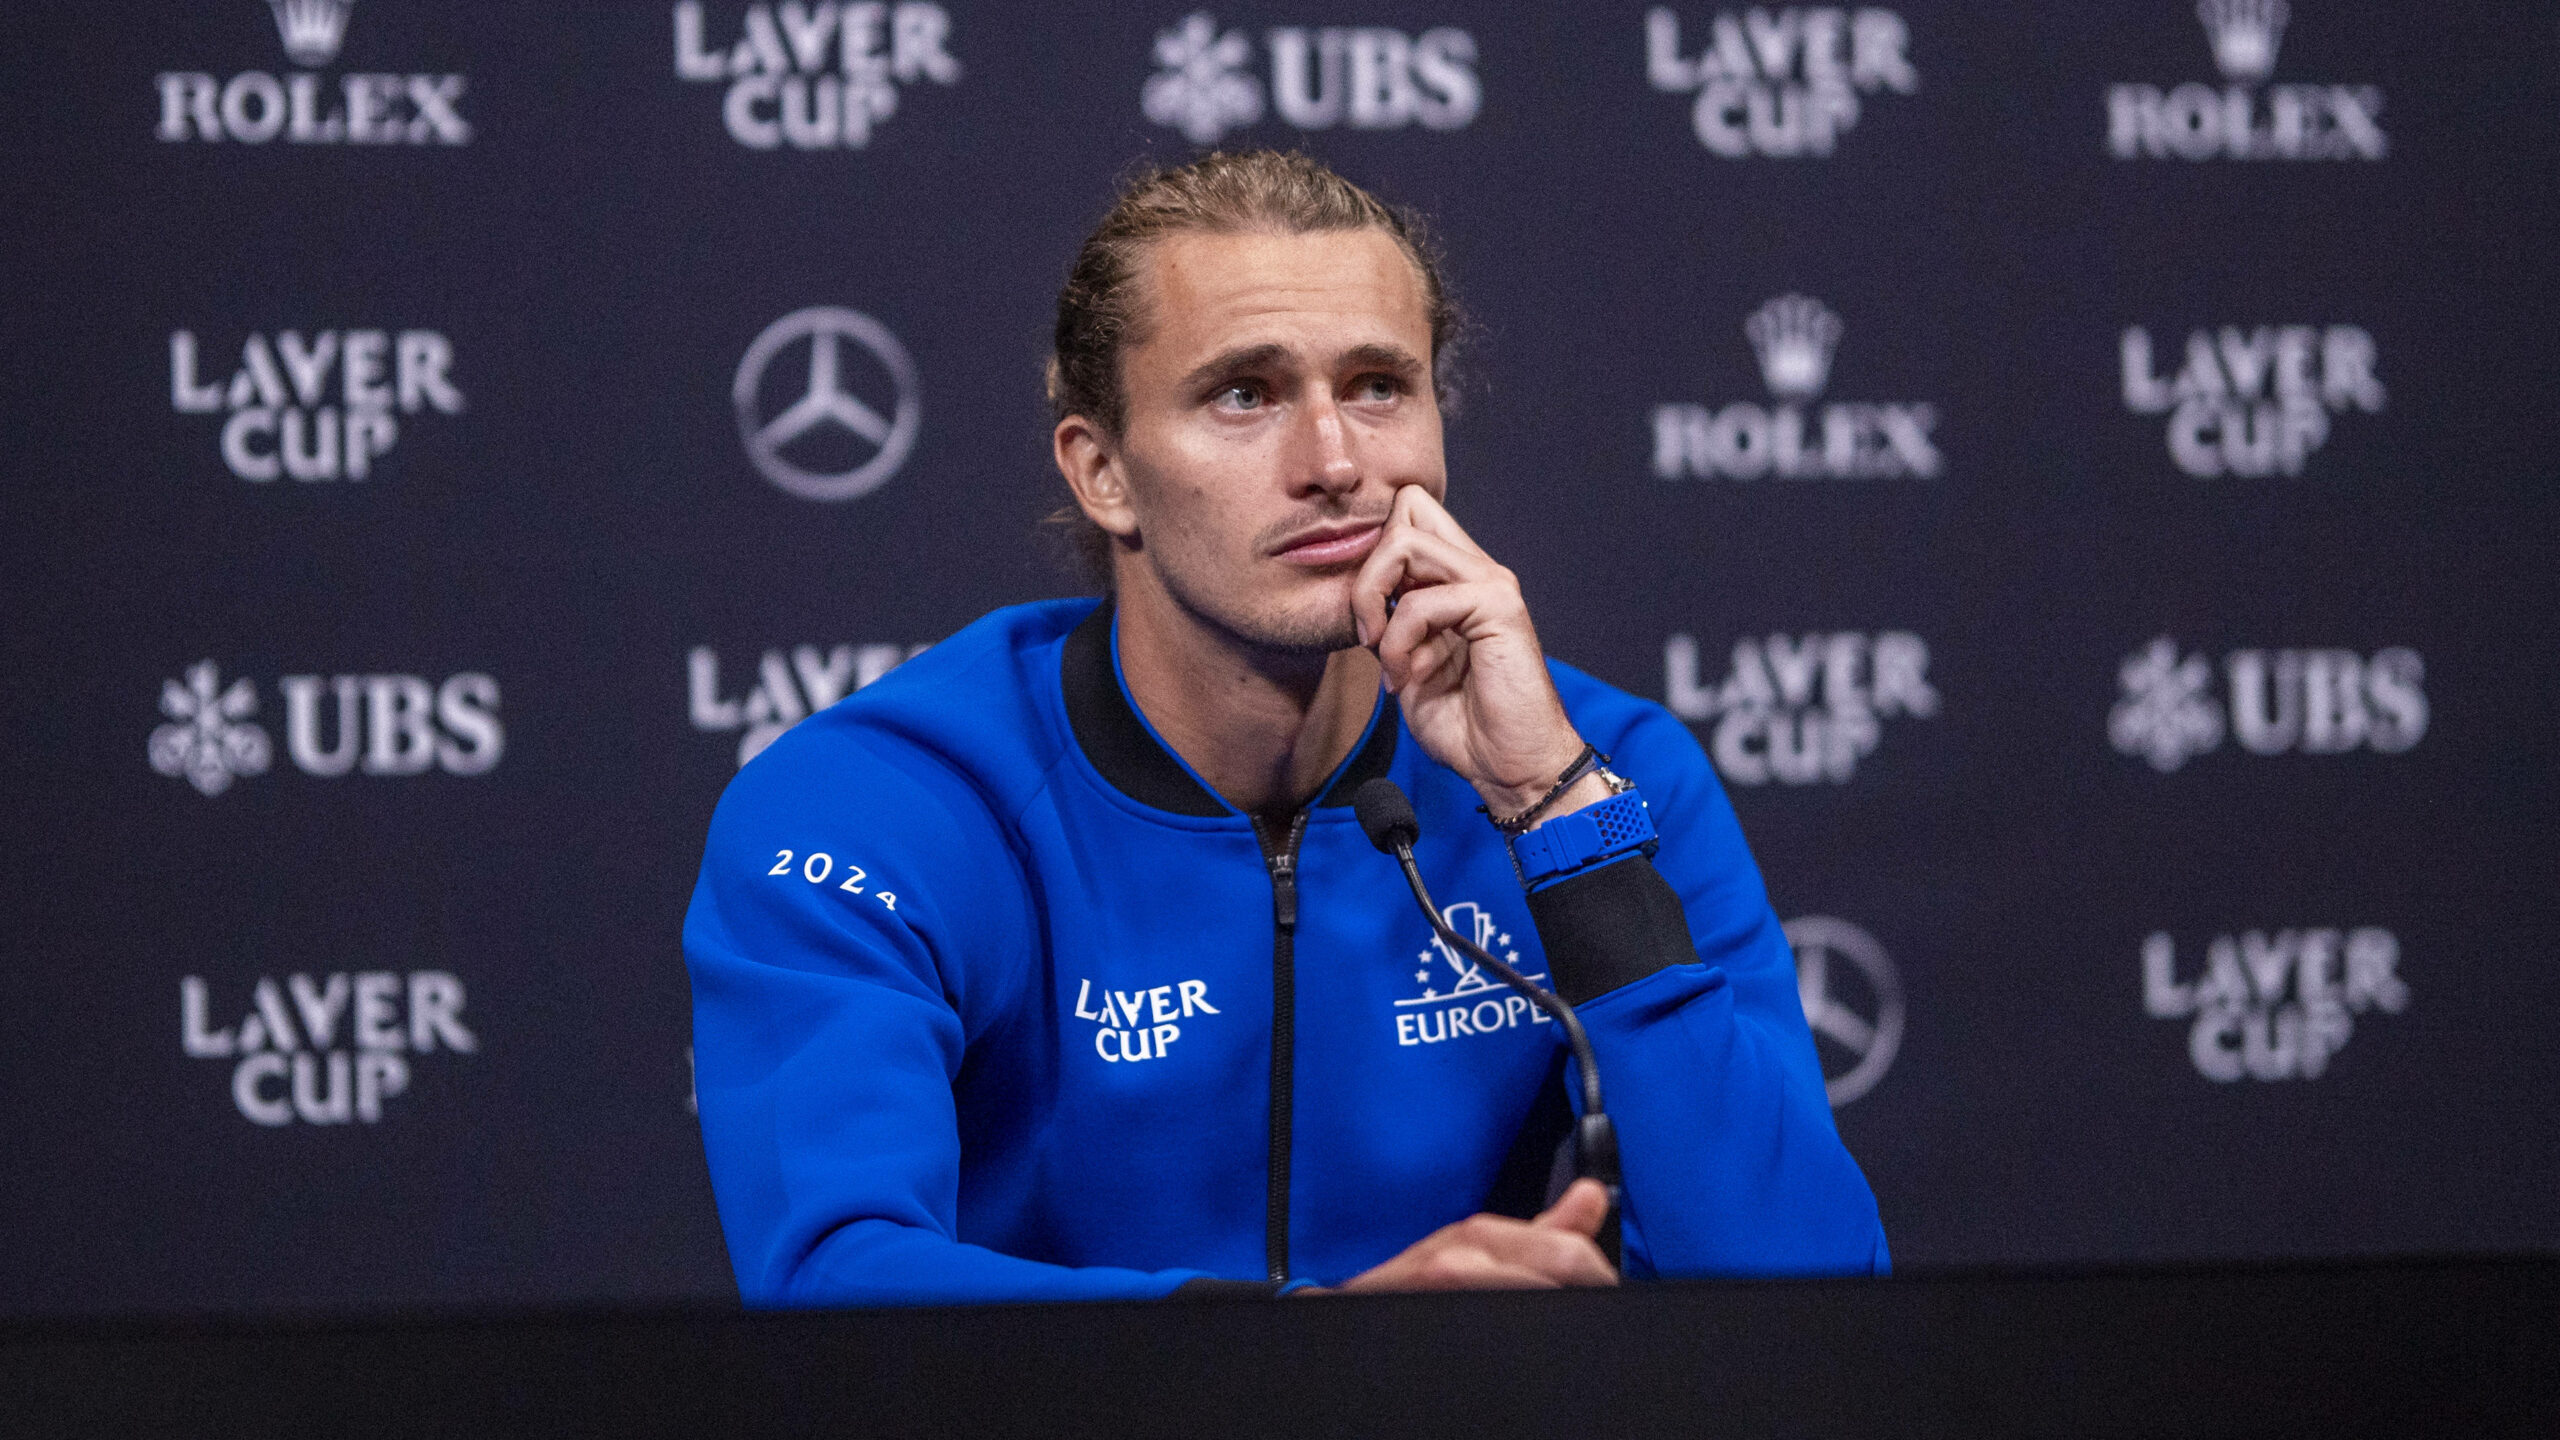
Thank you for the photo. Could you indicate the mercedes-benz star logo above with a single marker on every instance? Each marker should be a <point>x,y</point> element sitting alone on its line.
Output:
<point>1866,1028</point>
<point>828,423</point>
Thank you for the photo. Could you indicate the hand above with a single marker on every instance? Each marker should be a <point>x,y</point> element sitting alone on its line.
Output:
<point>1461,657</point>
<point>1491,1252</point>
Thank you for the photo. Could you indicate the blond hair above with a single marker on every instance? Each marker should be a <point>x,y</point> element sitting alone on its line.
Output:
<point>1099,314</point>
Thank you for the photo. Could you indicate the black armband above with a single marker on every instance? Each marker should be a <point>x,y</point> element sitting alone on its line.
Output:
<point>1610,926</point>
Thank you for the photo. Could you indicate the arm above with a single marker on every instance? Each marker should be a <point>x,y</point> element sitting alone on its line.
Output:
<point>829,1026</point>
<point>1685,980</point>
<point>1687,986</point>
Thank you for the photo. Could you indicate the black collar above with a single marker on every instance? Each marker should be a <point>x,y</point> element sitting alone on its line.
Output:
<point>1120,746</point>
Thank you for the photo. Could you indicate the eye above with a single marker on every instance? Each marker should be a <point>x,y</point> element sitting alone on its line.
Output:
<point>1241,395</point>
<point>1377,389</point>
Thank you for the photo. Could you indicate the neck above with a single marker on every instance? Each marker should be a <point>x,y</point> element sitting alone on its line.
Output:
<point>1263,727</point>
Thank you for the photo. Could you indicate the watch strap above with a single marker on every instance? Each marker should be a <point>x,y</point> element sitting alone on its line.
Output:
<point>1595,835</point>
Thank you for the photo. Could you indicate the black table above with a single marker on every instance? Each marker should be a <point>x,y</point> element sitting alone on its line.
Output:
<point>2452,1347</point>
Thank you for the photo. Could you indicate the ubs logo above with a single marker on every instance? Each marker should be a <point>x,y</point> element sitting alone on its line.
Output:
<point>1364,76</point>
<point>1855,1007</point>
<point>390,725</point>
<point>823,440</point>
<point>2314,702</point>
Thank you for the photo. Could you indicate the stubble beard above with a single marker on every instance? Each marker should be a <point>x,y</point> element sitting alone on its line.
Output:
<point>1308,630</point>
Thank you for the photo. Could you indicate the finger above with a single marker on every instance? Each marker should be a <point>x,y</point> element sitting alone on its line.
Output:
<point>1439,665</point>
<point>1445,1261</point>
<point>1374,588</point>
<point>1405,558</point>
<point>1422,616</point>
<point>1570,1260</point>
<point>1562,1256</point>
<point>1375,585</point>
<point>1466,1267</point>
<point>1428,515</point>
<point>1580,1209</point>
<point>1430,559</point>
<point>1408,559</point>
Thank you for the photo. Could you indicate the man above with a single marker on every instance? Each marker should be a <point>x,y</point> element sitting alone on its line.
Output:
<point>1054,965</point>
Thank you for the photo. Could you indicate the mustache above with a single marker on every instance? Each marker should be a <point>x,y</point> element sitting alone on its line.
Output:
<point>1281,534</point>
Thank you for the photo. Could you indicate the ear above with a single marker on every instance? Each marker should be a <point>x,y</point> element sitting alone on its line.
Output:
<point>1091,465</point>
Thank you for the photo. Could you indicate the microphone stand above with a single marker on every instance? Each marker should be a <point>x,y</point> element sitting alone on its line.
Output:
<point>1595,1139</point>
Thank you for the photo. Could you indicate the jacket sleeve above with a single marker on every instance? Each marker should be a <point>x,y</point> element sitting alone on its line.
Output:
<point>830,1022</point>
<point>1687,986</point>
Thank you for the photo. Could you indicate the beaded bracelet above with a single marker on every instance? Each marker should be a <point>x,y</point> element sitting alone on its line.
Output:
<point>1583,764</point>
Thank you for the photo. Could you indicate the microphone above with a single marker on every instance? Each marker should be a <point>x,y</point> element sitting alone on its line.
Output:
<point>1387,818</point>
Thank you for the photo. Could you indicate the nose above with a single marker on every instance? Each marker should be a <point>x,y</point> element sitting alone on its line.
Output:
<point>1326,466</point>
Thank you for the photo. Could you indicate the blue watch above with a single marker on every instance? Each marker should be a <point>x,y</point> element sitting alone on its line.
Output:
<point>1570,844</point>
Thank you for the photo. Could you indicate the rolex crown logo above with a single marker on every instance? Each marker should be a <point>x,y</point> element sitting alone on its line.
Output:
<point>1794,335</point>
<point>312,30</point>
<point>2244,35</point>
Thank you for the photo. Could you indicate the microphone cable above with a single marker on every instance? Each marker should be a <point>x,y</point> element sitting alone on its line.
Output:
<point>1387,818</point>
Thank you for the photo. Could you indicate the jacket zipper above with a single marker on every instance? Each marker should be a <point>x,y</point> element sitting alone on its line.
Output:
<point>1282,861</point>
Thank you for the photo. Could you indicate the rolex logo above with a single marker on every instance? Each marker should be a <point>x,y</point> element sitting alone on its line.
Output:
<point>312,30</point>
<point>2245,117</point>
<point>304,107</point>
<point>1794,336</point>
<point>2244,35</point>
<point>1790,436</point>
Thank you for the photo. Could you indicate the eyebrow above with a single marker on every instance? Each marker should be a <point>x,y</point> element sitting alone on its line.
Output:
<point>1383,357</point>
<point>1244,358</point>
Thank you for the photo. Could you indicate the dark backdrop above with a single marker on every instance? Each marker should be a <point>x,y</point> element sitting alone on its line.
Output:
<point>2008,694</point>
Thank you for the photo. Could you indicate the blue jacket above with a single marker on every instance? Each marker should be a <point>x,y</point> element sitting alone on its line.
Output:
<point>995,1000</point>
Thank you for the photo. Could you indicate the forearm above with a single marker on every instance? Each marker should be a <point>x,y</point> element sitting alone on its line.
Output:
<point>884,1262</point>
<point>1732,1164</point>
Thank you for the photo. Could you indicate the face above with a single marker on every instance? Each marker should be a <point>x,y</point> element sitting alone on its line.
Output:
<point>1279,396</point>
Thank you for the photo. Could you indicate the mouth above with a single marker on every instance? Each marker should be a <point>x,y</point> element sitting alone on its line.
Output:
<point>1330,545</point>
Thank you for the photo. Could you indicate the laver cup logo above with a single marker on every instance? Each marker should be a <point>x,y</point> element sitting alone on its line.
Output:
<point>329,1051</point>
<point>305,108</point>
<point>2273,1006</point>
<point>837,424</point>
<point>1362,77</point>
<point>2245,120</point>
<point>2311,702</point>
<point>2254,401</point>
<point>322,407</point>
<point>785,690</point>
<point>818,76</point>
<point>1794,337</point>
<point>1852,999</point>
<point>1779,83</point>
<point>1800,709</point>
